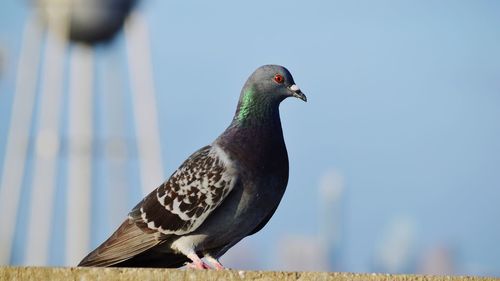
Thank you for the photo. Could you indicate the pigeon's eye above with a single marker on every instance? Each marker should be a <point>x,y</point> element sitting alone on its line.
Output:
<point>278,78</point>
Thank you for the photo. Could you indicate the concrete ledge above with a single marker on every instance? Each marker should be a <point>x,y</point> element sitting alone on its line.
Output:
<point>128,274</point>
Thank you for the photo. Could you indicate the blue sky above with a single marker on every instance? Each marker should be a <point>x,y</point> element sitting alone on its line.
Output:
<point>403,101</point>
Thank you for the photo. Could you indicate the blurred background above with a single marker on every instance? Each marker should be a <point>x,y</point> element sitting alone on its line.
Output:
<point>394,160</point>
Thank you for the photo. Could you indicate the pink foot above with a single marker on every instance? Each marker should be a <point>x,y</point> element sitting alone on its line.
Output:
<point>196,265</point>
<point>219,266</point>
<point>214,262</point>
<point>197,262</point>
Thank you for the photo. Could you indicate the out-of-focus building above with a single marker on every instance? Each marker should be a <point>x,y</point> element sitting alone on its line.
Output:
<point>322,251</point>
<point>437,260</point>
<point>302,253</point>
<point>395,251</point>
<point>331,205</point>
<point>243,256</point>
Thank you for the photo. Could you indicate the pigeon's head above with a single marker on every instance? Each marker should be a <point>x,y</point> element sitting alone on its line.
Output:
<point>273,82</point>
<point>265,89</point>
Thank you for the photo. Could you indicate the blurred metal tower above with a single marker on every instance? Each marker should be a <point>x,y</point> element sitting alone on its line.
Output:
<point>51,102</point>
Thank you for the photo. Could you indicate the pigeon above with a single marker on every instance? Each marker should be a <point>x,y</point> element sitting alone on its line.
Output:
<point>222,193</point>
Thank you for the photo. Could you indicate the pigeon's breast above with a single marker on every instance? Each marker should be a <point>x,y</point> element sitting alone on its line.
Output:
<point>252,201</point>
<point>261,163</point>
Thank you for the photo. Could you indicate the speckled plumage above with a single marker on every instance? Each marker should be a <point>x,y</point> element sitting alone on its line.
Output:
<point>219,195</point>
<point>182,203</point>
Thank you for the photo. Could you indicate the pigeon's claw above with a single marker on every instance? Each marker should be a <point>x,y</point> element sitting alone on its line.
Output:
<point>214,262</point>
<point>196,263</point>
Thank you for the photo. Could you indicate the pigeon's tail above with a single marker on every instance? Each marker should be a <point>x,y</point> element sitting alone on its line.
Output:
<point>155,260</point>
<point>129,246</point>
<point>127,241</point>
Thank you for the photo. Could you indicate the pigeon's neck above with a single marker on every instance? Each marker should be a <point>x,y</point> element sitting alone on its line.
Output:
<point>257,147</point>
<point>256,110</point>
<point>256,136</point>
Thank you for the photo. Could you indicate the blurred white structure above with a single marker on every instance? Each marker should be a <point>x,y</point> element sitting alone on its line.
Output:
<point>438,260</point>
<point>18,136</point>
<point>47,141</point>
<point>331,204</point>
<point>323,251</point>
<point>50,49</point>
<point>394,252</point>
<point>3,58</point>
<point>302,253</point>
<point>243,256</point>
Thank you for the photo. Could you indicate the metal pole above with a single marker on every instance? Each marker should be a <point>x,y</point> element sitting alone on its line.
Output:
<point>47,145</point>
<point>80,153</point>
<point>144,102</point>
<point>18,135</point>
<point>116,146</point>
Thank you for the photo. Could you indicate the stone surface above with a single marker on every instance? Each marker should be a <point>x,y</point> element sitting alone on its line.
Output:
<point>129,274</point>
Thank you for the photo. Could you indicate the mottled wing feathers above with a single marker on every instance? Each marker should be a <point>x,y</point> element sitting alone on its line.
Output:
<point>126,242</point>
<point>178,206</point>
<point>182,203</point>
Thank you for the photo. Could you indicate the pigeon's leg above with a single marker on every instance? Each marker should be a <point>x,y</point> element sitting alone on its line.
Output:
<point>214,262</point>
<point>185,246</point>
<point>197,262</point>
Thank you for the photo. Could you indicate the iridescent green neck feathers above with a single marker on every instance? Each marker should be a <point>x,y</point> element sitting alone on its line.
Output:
<point>255,107</point>
<point>246,105</point>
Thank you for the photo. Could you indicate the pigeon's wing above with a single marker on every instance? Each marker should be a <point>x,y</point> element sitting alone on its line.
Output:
<point>182,203</point>
<point>127,241</point>
<point>178,206</point>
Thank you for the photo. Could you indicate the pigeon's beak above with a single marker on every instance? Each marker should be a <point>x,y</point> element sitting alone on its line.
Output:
<point>296,92</point>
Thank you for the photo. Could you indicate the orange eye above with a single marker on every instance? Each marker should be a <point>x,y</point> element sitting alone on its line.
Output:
<point>278,78</point>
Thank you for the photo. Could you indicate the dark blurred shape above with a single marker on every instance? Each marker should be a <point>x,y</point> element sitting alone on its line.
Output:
<point>93,21</point>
